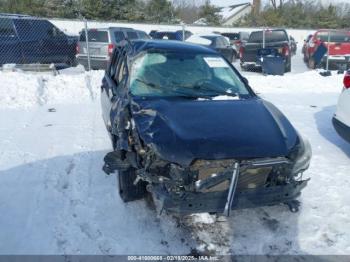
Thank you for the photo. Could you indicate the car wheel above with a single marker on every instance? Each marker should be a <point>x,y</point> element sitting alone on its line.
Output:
<point>288,67</point>
<point>311,63</point>
<point>127,190</point>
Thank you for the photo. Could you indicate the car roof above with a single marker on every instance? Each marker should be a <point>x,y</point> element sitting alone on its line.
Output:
<point>169,45</point>
<point>111,28</point>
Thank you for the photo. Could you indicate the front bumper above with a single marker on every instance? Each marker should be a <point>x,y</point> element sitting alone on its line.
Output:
<point>342,129</point>
<point>214,202</point>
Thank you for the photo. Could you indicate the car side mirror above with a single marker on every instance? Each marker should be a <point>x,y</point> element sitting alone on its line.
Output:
<point>245,81</point>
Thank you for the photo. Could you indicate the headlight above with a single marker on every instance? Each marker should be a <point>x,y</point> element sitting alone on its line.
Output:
<point>303,157</point>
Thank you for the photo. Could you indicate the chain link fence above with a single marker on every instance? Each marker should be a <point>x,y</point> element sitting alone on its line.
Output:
<point>38,43</point>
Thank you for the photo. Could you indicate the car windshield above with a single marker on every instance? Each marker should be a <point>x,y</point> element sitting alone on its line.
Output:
<point>270,36</point>
<point>185,75</point>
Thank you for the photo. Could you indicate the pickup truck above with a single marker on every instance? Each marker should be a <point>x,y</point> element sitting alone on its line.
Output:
<point>274,39</point>
<point>29,40</point>
<point>338,43</point>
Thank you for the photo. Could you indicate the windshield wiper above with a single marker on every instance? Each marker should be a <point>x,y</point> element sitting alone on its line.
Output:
<point>216,91</point>
<point>173,91</point>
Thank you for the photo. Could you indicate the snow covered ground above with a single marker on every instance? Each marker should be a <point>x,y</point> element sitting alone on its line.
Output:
<point>54,198</point>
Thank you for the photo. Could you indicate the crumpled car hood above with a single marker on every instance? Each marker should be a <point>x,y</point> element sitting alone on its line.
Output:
<point>182,130</point>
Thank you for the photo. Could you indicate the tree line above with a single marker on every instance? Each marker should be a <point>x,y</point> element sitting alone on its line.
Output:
<point>278,13</point>
<point>299,14</point>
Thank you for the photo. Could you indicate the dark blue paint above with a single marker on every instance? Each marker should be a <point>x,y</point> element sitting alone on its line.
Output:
<point>182,130</point>
<point>29,41</point>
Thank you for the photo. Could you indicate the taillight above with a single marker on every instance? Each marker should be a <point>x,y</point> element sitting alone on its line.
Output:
<point>77,49</point>
<point>285,51</point>
<point>241,51</point>
<point>110,49</point>
<point>346,80</point>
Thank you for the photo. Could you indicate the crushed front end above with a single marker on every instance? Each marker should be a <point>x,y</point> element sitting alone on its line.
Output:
<point>218,186</point>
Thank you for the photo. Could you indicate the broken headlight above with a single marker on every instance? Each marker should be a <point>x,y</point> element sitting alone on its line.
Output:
<point>303,156</point>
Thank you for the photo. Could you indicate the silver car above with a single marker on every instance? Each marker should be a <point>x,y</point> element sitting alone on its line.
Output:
<point>101,42</point>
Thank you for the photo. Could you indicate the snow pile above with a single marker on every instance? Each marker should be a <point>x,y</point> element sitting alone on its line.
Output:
<point>23,90</point>
<point>310,81</point>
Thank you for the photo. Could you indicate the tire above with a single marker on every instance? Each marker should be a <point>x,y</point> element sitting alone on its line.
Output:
<point>311,63</point>
<point>127,190</point>
<point>288,67</point>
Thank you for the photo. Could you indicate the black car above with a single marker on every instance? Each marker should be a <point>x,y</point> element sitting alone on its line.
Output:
<point>237,39</point>
<point>26,39</point>
<point>218,43</point>
<point>172,35</point>
<point>187,127</point>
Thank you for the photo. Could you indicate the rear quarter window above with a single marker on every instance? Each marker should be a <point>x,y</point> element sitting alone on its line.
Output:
<point>95,36</point>
<point>6,28</point>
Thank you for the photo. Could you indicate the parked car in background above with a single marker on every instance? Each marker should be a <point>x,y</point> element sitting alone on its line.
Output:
<point>171,35</point>
<point>102,41</point>
<point>338,48</point>
<point>293,45</point>
<point>152,33</point>
<point>216,42</point>
<point>237,39</point>
<point>341,119</point>
<point>26,40</point>
<point>276,39</point>
<point>186,127</point>
<point>303,50</point>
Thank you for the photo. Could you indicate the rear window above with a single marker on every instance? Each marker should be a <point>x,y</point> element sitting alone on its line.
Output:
<point>6,28</point>
<point>232,36</point>
<point>131,35</point>
<point>337,37</point>
<point>270,36</point>
<point>95,36</point>
<point>166,35</point>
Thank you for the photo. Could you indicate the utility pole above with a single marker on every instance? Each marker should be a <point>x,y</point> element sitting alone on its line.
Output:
<point>256,7</point>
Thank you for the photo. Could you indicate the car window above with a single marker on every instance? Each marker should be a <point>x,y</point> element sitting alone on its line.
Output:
<point>95,36</point>
<point>337,37</point>
<point>131,35</point>
<point>121,70</point>
<point>270,36</point>
<point>6,28</point>
<point>119,36</point>
<point>26,29</point>
<point>114,62</point>
<point>184,74</point>
<point>143,35</point>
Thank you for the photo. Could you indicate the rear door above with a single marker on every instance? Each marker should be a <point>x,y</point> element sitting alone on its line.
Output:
<point>31,41</point>
<point>99,40</point>
<point>10,48</point>
<point>55,42</point>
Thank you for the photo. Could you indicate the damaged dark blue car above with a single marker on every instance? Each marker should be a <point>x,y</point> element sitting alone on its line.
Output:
<point>186,127</point>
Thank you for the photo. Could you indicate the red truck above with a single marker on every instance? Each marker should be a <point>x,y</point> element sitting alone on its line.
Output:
<point>338,45</point>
